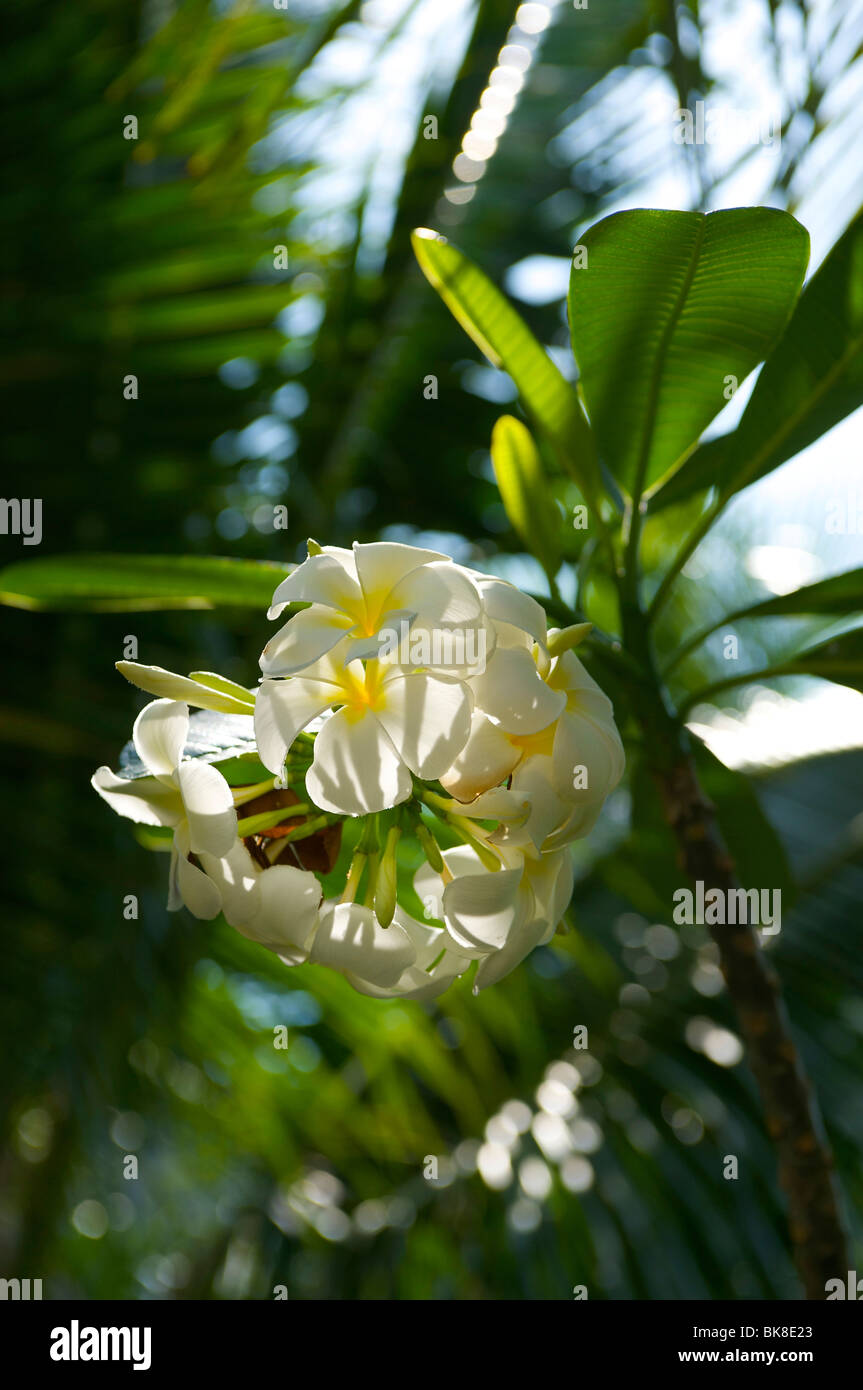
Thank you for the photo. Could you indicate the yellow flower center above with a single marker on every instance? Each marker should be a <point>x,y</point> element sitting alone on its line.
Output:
<point>533,745</point>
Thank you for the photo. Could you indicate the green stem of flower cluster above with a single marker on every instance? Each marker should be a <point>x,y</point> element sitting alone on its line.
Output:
<point>258,825</point>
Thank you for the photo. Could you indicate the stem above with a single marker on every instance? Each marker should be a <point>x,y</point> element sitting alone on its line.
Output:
<point>791,1117</point>
<point>267,820</point>
<point>690,545</point>
<point>243,794</point>
<point>790,1109</point>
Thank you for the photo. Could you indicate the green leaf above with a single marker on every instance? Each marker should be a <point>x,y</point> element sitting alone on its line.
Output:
<point>667,308</point>
<point>838,659</point>
<point>811,381</point>
<point>139,583</point>
<point>213,737</point>
<point>525,493</point>
<point>499,331</point>
<point>840,594</point>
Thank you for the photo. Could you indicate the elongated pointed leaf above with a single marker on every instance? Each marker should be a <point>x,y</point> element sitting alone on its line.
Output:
<point>811,381</point>
<point>838,595</point>
<point>499,331</point>
<point>841,593</point>
<point>139,583</point>
<point>524,491</point>
<point>670,307</point>
<point>839,659</point>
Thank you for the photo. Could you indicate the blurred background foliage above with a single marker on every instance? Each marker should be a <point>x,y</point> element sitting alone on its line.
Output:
<point>306,128</point>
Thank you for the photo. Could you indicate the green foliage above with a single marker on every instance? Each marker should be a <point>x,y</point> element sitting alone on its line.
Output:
<point>524,491</point>
<point>154,1034</point>
<point>670,307</point>
<point>507,342</point>
<point>812,381</point>
<point>139,583</point>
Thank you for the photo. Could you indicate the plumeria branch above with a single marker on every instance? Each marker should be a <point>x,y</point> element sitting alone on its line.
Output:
<point>804,1160</point>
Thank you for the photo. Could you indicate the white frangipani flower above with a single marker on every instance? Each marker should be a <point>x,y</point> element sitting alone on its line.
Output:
<point>497,917</point>
<point>363,713</point>
<point>351,940</point>
<point>438,962</point>
<point>565,768</point>
<point>390,723</point>
<point>358,593</point>
<point>278,907</point>
<point>190,797</point>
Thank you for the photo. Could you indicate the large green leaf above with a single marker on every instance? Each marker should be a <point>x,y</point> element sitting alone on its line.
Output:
<point>139,583</point>
<point>669,306</point>
<point>499,331</point>
<point>811,382</point>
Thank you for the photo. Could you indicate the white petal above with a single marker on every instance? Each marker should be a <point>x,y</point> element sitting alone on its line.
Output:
<point>551,878</point>
<point>418,982</point>
<point>390,642</point>
<point>320,579</point>
<point>350,938</point>
<point>493,967</point>
<point>513,692</point>
<point>582,742</point>
<point>277,907</point>
<point>382,565</point>
<point>453,652</point>
<point>439,593</point>
<point>429,886</point>
<point>486,759</point>
<point>286,915</point>
<point>156,681</point>
<point>209,808</point>
<point>141,799</point>
<point>235,875</point>
<point>356,769</point>
<point>578,823</point>
<point>282,710</point>
<point>427,719</point>
<point>198,892</point>
<point>506,604</point>
<point>304,639</point>
<point>482,911</point>
<point>159,735</point>
<point>534,781</point>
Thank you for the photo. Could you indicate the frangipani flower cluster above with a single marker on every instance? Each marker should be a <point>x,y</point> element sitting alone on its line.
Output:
<point>397,796</point>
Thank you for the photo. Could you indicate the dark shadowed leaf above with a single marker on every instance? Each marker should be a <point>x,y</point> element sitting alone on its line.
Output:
<point>139,583</point>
